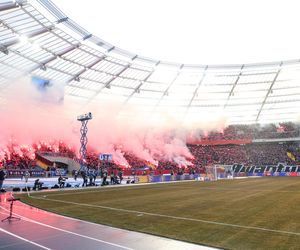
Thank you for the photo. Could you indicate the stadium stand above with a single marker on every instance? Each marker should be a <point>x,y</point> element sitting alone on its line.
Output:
<point>241,144</point>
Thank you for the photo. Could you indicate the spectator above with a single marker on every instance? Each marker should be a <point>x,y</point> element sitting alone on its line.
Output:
<point>2,178</point>
<point>37,185</point>
<point>26,176</point>
<point>104,177</point>
<point>85,179</point>
<point>120,174</point>
<point>61,181</point>
<point>75,175</point>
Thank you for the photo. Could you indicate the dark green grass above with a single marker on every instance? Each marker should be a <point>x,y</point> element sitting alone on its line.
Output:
<point>270,203</point>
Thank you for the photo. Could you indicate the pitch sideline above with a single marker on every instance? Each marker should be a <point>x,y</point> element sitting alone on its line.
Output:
<point>173,217</point>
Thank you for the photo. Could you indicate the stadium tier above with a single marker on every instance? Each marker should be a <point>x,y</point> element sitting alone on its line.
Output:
<point>234,145</point>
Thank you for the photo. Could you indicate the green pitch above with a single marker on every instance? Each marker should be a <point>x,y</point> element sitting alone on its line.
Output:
<point>256,213</point>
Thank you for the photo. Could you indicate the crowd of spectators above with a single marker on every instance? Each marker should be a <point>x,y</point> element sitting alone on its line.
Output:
<point>21,157</point>
<point>254,131</point>
<point>54,148</point>
<point>249,154</point>
<point>270,153</point>
<point>134,161</point>
<point>18,160</point>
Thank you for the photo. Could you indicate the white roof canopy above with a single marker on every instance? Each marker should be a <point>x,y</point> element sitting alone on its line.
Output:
<point>93,69</point>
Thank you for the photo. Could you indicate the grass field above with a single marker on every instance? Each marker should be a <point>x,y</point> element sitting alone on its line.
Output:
<point>256,213</point>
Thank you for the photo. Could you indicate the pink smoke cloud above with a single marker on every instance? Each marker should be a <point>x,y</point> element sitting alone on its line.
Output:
<point>28,118</point>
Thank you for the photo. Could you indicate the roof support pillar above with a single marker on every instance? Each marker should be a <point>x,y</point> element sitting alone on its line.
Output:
<point>269,92</point>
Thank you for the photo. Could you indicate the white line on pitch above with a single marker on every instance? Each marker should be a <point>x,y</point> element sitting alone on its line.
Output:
<point>69,232</point>
<point>74,192</point>
<point>21,238</point>
<point>71,191</point>
<point>174,217</point>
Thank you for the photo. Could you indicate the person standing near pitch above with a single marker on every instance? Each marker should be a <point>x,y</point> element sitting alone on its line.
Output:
<point>26,176</point>
<point>2,178</point>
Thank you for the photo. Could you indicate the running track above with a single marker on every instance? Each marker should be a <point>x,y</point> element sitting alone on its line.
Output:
<point>39,229</point>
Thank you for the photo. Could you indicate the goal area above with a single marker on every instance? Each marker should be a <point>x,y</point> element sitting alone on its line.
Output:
<point>217,172</point>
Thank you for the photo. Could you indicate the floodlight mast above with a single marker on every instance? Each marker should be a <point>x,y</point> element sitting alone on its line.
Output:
<point>83,139</point>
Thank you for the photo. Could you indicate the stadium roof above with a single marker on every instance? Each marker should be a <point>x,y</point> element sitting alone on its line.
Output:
<point>36,37</point>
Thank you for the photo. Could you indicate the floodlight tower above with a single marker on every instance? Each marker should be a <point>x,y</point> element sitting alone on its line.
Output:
<point>83,139</point>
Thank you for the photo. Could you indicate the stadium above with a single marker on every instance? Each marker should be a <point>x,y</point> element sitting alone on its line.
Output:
<point>102,148</point>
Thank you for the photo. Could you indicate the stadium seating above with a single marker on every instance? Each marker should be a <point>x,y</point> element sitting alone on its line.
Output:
<point>235,144</point>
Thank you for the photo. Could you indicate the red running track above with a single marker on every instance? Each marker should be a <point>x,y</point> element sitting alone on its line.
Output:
<point>38,229</point>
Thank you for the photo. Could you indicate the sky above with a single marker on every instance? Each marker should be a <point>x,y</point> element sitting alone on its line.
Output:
<point>194,31</point>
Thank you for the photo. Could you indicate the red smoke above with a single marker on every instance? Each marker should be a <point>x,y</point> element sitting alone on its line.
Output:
<point>27,118</point>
